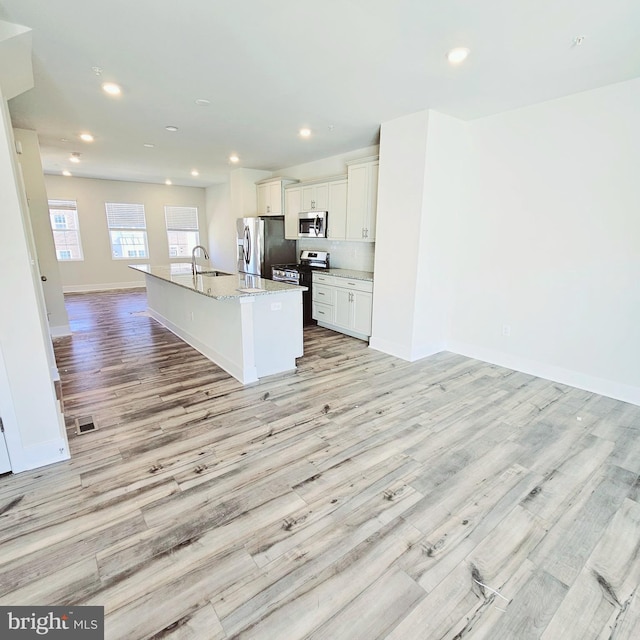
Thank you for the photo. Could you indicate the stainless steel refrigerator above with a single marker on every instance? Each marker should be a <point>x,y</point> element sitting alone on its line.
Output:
<point>261,243</point>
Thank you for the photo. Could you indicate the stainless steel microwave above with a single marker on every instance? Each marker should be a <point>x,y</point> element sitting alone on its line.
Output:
<point>312,224</point>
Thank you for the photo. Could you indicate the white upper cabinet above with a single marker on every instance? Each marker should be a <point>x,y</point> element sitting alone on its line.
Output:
<point>292,207</point>
<point>362,199</point>
<point>270,196</point>
<point>337,208</point>
<point>315,197</point>
<point>328,195</point>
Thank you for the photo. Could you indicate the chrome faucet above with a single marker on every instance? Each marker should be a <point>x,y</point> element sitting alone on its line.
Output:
<point>194,268</point>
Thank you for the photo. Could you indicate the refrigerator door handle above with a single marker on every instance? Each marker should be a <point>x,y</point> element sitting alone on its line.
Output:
<point>247,246</point>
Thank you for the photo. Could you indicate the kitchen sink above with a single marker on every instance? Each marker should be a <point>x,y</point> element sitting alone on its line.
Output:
<point>214,272</point>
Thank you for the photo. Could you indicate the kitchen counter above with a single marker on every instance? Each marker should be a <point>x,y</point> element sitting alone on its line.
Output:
<point>350,273</point>
<point>219,287</point>
<point>249,326</point>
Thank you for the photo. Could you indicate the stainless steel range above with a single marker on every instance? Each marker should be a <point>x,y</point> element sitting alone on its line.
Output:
<point>300,274</point>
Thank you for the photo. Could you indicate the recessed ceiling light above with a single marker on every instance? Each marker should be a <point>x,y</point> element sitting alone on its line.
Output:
<point>148,145</point>
<point>87,137</point>
<point>203,102</point>
<point>234,158</point>
<point>458,55</point>
<point>195,172</point>
<point>75,157</point>
<point>66,173</point>
<point>305,133</point>
<point>171,128</point>
<point>168,182</point>
<point>111,88</point>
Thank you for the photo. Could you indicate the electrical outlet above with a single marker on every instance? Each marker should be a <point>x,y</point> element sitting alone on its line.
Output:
<point>506,330</point>
<point>192,316</point>
<point>276,306</point>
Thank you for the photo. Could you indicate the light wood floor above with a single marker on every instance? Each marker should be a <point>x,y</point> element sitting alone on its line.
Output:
<point>361,497</point>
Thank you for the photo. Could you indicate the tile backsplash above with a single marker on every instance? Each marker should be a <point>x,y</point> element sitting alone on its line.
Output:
<point>344,255</point>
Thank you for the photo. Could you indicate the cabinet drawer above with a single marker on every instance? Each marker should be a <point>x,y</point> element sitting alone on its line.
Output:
<point>354,285</point>
<point>323,293</point>
<point>323,279</point>
<point>322,312</point>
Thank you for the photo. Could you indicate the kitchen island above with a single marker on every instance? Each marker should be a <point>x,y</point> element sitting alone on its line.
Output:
<point>249,326</point>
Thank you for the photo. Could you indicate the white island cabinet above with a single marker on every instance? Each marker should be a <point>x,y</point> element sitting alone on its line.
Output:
<point>249,326</point>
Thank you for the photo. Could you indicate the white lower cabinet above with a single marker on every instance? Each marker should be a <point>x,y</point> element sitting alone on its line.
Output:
<point>343,304</point>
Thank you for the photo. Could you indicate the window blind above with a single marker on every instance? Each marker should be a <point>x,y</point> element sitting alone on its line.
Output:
<point>121,215</point>
<point>181,218</point>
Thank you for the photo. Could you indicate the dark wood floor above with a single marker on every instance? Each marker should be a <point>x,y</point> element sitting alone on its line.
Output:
<point>360,497</point>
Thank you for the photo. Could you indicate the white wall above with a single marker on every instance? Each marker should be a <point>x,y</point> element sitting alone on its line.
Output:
<point>548,242</point>
<point>399,222</point>
<point>221,227</point>
<point>34,427</point>
<point>326,167</point>
<point>29,160</point>
<point>225,204</point>
<point>98,270</point>
<point>444,196</point>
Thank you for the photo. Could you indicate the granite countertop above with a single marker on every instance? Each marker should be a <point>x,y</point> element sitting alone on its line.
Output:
<point>349,273</point>
<point>219,287</point>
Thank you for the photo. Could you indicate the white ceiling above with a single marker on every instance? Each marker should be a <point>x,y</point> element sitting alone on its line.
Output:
<point>340,67</point>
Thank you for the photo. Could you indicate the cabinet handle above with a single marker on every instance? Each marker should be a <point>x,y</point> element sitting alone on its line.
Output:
<point>313,204</point>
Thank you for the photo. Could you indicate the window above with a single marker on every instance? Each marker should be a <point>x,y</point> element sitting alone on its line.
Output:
<point>127,229</point>
<point>63,215</point>
<point>182,230</point>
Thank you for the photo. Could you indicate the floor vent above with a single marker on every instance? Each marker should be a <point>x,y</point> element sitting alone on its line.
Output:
<point>86,424</point>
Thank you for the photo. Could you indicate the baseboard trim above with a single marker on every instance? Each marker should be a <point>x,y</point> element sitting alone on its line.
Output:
<point>105,286</point>
<point>593,384</point>
<point>60,331</point>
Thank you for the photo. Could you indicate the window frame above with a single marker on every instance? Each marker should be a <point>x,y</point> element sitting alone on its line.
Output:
<point>113,210</point>
<point>61,208</point>
<point>173,212</point>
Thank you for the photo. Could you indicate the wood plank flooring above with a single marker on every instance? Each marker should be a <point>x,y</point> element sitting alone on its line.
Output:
<point>360,497</point>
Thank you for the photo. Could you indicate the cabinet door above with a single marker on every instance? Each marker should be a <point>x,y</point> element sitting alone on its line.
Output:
<point>321,198</point>
<point>262,197</point>
<point>361,303</point>
<point>372,209</point>
<point>308,193</point>
<point>342,309</point>
<point>315,196</point>
<point>357,199</point>
<point>337,209</point>
<point>274,203</point>
<point>291,210</point>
